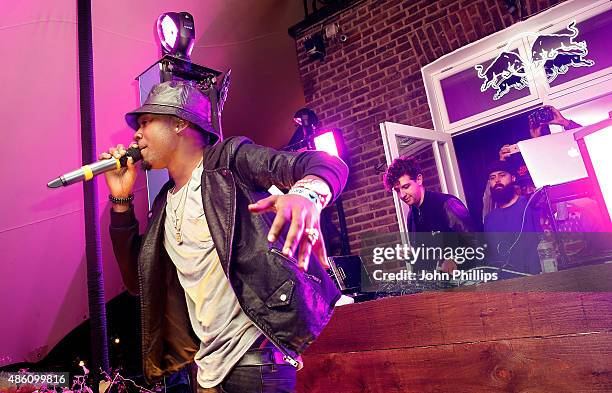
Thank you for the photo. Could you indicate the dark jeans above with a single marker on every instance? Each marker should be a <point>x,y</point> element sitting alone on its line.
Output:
<point>268,378</point>
<point>275,378</point>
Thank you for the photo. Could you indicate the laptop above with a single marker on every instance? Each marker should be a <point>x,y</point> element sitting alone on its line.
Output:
<point>553,159</point>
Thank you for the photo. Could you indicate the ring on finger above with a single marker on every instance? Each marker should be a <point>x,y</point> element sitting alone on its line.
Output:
<point>313,235</point>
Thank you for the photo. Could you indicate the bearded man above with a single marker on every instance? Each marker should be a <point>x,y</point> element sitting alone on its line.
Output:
<point>512,227</point>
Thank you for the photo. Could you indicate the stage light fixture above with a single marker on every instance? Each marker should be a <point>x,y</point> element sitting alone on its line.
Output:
<point>315,47</point>
<point>326,141</point>
<point>309,136</point>
<point>176,32</point>
<point>306,117</point>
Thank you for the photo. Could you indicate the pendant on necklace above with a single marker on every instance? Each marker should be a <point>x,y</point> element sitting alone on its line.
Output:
<point>178,237</point>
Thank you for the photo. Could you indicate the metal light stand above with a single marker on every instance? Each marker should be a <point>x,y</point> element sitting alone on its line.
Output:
<point>173,68</point>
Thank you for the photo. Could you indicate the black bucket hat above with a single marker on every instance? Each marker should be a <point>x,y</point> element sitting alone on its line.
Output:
<point>179,98</point>
<point>501,166</point>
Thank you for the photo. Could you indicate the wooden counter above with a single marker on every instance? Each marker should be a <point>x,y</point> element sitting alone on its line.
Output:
<point>547,333</point>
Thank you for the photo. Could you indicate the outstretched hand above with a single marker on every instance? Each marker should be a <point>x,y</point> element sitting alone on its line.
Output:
<point>304,232</point>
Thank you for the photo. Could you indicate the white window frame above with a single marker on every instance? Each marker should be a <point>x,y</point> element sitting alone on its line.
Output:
<point>562,96</point>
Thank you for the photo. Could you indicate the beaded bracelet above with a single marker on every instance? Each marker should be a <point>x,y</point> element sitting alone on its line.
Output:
<point>318,186</point>
<point>121,201</point>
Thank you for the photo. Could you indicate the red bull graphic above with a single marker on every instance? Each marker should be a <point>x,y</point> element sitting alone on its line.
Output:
<point>562,63</point>
<point>556,53</point>
<point>548,46</point>
<point>506,71</point>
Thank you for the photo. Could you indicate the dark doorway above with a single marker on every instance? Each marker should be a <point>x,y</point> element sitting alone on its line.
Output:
<point>477,148</point>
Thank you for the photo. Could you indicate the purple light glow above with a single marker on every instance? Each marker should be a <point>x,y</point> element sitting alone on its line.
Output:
<point>327,142</point>
<point>599,145</point>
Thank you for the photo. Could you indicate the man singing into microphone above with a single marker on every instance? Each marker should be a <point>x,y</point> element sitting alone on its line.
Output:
<point>224,270</point>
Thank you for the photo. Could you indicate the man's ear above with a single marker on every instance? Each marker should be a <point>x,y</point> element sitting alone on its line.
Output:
<point>419,179</point>
<point>181,125</point>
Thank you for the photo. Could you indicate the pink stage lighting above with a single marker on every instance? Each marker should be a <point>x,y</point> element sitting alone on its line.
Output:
<point>326,141</point>
<point>176,33</point>
<point>169,31</point>
<point>599,145</point>
<point>595,142</point>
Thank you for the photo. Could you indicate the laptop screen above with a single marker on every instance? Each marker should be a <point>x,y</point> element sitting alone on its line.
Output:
<point>553,159</point>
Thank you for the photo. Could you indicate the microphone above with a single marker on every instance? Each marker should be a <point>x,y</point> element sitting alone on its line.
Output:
<point>87,172</point>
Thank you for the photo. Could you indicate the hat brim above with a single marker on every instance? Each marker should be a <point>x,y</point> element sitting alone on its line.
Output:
<point>131,118</point>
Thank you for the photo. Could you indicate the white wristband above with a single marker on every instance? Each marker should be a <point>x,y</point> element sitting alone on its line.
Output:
<point>308,194</point>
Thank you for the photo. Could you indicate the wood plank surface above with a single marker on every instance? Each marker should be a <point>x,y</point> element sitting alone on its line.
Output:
<point>563,364</point>
<point>449,317</point>
<point>594,278</point>
<point>546,333</point>
<point>522,307</point>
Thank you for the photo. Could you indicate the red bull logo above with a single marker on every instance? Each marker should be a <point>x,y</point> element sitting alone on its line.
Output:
<point>563,62</point>
<point>549,46</point>
<point>556,53</point>
<point>505,72</point>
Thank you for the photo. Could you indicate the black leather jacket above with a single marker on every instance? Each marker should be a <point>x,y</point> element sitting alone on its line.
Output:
<point>236,173</point>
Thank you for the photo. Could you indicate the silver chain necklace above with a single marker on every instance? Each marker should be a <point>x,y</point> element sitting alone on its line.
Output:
<point>177,220</point>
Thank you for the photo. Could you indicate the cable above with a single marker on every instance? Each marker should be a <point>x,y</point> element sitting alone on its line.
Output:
<point>500,269</point>
<point>522,226</point>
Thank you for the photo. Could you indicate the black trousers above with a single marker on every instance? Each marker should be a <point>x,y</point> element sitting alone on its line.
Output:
<point>264,378</point>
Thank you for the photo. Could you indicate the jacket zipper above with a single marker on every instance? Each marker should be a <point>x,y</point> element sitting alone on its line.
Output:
<point>142,318</point>
<point>286,356</point>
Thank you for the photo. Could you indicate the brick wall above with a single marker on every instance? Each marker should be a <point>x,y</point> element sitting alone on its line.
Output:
<point>375,76</point>
<point>427,162</point>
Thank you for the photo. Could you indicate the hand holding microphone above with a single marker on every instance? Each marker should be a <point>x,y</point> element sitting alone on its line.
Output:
<point>117,165</point>
<point>121,181</point>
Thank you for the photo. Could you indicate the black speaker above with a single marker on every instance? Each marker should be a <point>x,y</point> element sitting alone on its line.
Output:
<point>347,272</point>
<point>314,47</point>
